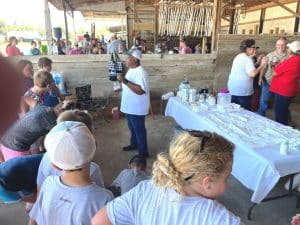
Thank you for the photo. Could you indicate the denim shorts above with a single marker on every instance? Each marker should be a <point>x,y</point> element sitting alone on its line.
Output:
<point>20,173</point>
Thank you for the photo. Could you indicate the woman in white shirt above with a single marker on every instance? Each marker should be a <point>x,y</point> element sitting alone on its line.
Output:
<point>183,189</point>
<point>240,82</point>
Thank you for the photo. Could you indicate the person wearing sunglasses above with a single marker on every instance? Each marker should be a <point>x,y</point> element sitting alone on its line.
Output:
<point>185,183</point>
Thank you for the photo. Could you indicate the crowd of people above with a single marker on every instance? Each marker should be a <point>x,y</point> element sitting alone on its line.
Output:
<point>47,153</point>
<point>87,45</point>
<point>99,45</point>
<point>54,147</point>
<point>277,73</point>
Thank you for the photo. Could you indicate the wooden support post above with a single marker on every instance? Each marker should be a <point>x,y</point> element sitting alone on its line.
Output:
<point>204,43</point>
<point>216,24</point>
<point>155,23</point>
<point>93,30</point>
<point>66,23</point>
<point>232,14</point>
<point>261,20</point>
<point>122,28</point>
<point>74,27</point>
<point>48,27</point>
<point>231,22</point>
<point>296,26</point>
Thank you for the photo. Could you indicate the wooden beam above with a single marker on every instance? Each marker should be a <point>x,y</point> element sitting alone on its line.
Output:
<point>231,22</point>
<point>286,8</point>
<point>217,6</point>
<point>66,23</point>
<point>156,12</point>
<point>296,26</point>
<point>69,5</point>
<point>271,19</point>
<point>266,5</point>
<point>48,27</point>
<point>261,20</point>
<point>225,18</point>
<point>231,18</point>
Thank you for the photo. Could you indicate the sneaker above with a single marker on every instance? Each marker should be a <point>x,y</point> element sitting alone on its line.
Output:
<point>129,148</point>
<point>9,196</point>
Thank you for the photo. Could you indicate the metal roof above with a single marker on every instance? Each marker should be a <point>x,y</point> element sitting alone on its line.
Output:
<point>116,9</point>
<point>84,5</point>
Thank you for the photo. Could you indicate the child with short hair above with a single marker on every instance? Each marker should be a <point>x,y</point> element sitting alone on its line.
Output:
<point>53,95</point>
<point>185,183</point>
<point>45,169</point>
<point>34,95</point>
<point>71,198</point>
<point>129,178</point>
<point>44,64</point>
<point>26,69</point>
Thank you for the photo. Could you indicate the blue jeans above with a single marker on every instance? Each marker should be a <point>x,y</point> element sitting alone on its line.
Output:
<point>20,173</point>
<point>265,97</point>
<point>243,101</point>
<point>282,114</point>
<point>138,133</point>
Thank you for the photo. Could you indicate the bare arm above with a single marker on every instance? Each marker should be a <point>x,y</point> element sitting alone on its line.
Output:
<point>256,71</point>
<point>101,218</point>
<point>24,107</point>
<point>261,75</point>
<point>26,103</point>
<point>32,222</point>
<point>134,87</point>
<point>30,198</point>
<point>253,73</point>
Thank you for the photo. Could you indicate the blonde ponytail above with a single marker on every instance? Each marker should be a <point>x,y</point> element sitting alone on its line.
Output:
<point>187,161</point>
<point>165,175</point>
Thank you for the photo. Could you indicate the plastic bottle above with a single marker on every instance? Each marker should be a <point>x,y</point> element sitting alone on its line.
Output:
<point>224,97</point>
<point>184,88</point>
<point>59,82</point>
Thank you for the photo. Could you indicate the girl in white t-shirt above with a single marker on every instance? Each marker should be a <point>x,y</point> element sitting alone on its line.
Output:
<point>183,189</point>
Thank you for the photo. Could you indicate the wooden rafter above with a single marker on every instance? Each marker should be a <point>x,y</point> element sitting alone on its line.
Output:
<point>263,4</point>
<point>286,8</point>
<point>296,25</point>
<point>261,20</point>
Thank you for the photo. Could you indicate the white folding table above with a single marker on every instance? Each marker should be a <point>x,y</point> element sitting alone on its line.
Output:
<point>257,162</point>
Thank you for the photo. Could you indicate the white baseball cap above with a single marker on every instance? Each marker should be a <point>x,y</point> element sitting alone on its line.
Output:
<point>136,54</point>
<point>70,145</point>
<point>294,46</point>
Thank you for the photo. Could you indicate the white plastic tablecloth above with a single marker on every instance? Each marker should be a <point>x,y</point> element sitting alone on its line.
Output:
<point>257,162</point>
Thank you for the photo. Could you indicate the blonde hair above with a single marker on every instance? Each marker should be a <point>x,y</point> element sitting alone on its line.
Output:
<point>42,79</point>
<point>77,115</point>
<point>187,162</point>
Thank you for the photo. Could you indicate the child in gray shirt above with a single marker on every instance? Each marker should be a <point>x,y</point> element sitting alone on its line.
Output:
<point>71,198</point>
<point>129,178</point>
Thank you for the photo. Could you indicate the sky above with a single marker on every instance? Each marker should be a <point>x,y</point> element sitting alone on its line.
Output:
<point>32,12</point>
